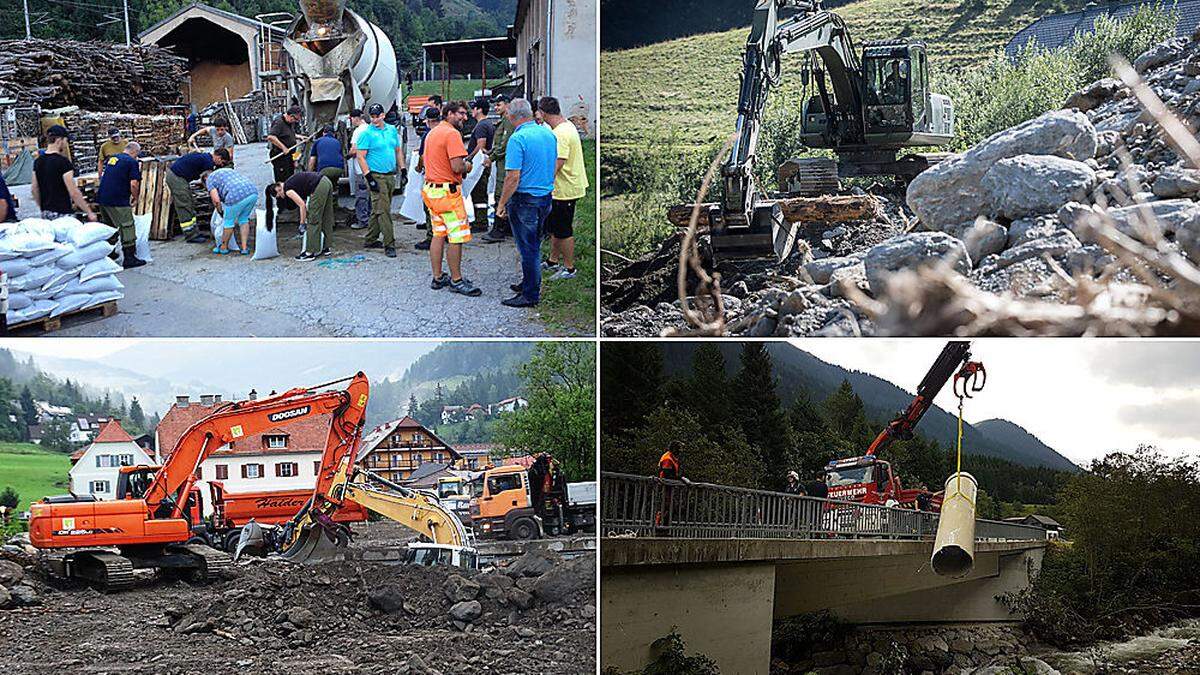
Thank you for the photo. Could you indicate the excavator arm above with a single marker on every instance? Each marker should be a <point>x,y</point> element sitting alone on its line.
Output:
<point>740,221</point>
<point>954,361</point>
<point>167,493</point>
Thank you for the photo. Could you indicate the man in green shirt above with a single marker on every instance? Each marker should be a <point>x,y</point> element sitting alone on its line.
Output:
<point>495,158</point>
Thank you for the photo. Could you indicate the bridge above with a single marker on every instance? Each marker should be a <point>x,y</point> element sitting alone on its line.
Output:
<point>721,563</point>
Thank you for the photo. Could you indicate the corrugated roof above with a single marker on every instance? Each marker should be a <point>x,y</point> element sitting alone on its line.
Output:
<point>1055,30</point>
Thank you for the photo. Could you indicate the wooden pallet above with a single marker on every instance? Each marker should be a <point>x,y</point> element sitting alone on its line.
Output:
<point>50,324</point>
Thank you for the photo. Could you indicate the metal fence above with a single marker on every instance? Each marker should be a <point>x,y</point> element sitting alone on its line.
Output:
<point>642,506</point>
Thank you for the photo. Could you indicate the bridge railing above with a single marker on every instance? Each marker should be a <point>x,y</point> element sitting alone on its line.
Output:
<point>643,506</point>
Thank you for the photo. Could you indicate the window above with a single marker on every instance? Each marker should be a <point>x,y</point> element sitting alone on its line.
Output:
<point>501,483</point>
<point>417,459</point>
<point>99,486</point>
<point>276,442</point>
<point>316,467</point>
<point>222,471</point>
<point>286,469</point>
<point>252,471</point>
<point>104,461</point>
<point>126,460</point>
<point>437,457</point>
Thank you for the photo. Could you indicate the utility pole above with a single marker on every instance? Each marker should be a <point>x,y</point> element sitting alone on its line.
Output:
<point>28,34</point>
<point>125,3</point>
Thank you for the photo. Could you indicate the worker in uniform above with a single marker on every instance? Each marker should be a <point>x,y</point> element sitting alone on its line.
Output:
<point>380,156</point>
<point>121,179</point>
<point>326,156</point>
<point>358,181</point>
<point>893,85</point>
<point>313,194</point>
<point>669,468</point>
<point>494,160</point>
<point>179,183</point>
<point>479,144</point>
<point>281,143</point>
<point>114,146</point>
<point>446,163</point>
<point>794,486</point>
<point>433,117</point>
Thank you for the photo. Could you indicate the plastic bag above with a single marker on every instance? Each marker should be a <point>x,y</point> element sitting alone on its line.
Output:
<point>22,243</point>
<point>63,277</point>
<point>106,296</point>
<point>141,229</point>
<point>99,268</point>
<point>265,245</point>
<point>61,227</point>
<point>70,303</point>
<point>413,207</point>
<point>50,256</point>
<point>468,184</point>
<point>86,234</point>
<point>47,293</point>
<point>217,225</point>
<point>19,301</point>
<point>16,266</point>
<point>36,310</point>
<point>90,253</point>
<point>108,282</point>
<point>35,278</point>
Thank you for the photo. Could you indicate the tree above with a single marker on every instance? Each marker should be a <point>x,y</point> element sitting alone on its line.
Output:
<point>439,394</point>
<point>413,406</point>
<point>707,390</point>
<point>136,415</point>
<point>57,436</point>
<point>560,382</point>
<point>10,498</point>
<point>847,416</point>
<point>28,408</point>
<point>631,374</point>
<point>761,414</point>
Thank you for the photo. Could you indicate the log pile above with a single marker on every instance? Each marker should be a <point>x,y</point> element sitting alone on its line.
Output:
<point>249,110</point>
<point>158,134</point>
<point>815,210</point>
<point>92,75</point>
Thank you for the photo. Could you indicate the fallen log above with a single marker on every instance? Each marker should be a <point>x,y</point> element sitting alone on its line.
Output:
<point>825,209</point>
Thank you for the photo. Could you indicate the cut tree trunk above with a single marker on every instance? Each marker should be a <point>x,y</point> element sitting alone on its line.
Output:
<point>825,209</point>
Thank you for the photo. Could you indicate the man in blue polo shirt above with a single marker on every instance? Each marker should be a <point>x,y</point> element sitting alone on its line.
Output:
<point>326,157</point>
<point>121,179</point>
<point>530,160</point>
<point>179,183</point>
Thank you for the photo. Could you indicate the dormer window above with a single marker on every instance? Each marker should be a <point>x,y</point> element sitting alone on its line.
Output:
<point>277,441</point>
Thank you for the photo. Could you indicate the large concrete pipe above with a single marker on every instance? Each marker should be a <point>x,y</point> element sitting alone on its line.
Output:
<point>954,546</point>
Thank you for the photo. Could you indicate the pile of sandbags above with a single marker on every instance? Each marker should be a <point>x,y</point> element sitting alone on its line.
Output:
<point>57,267</point>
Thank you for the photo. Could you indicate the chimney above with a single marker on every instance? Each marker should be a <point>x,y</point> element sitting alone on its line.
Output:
<point>206,399</point>
<point>253,395</point>
<point>182,401</point>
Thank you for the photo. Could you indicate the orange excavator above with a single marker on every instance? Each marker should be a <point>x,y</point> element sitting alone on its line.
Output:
<point>150,524</point>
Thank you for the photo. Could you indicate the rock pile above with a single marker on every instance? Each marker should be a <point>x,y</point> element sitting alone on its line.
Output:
<point>1013,216</point>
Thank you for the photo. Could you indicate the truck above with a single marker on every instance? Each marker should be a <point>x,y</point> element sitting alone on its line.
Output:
<point>520,503</point>
<point>233,510</point>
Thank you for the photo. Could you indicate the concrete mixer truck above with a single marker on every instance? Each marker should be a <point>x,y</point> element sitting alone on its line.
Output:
<point>339,61</point>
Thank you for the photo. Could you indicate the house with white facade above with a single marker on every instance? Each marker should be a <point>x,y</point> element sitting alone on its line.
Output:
<point>94,468</point>
<point>557,56</point>
<point>284,458</point>
<point>511,404</point>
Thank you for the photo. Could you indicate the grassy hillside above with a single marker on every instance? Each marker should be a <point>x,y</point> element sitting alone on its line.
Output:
<point>688,87</point>
<point>33,472</point>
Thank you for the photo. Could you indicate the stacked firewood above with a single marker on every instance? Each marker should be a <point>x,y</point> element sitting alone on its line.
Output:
<point>158,134</point>
<point>248,109</point>
<point>92,75</point>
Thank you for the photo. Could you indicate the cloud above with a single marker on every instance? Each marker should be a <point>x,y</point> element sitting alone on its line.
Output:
<point>1171,418</point>
<point>1143,363</point>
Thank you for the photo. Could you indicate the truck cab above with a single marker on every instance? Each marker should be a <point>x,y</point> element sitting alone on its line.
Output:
<point>869,480</point>
<point>506,508</point>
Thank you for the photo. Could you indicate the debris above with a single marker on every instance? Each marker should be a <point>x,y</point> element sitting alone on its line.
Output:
<point>815,210</point>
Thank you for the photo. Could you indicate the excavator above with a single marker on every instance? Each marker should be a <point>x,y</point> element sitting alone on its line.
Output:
<point>865,109</point>
<point>149,526</point>
<point>869,479</point>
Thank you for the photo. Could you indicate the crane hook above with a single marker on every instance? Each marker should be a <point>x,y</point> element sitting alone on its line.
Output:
<point>972,376</point>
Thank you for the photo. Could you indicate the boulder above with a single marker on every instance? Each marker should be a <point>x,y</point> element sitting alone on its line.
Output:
<point>24,595</point>
<point>522,599</point>
<point>912,250</point>
<point>951,192</point>
<point>1060,243</point>
<point>11,573</point>
<point>565,580</point>
<point>1093,94</point>
<point>1168,216</point>
<point>387,599</point>
<point>982,237</point>
<point>1028,229</point>
<point>1176,181</point>
<point>854,275</point>
<point>494,584</point>
<point>533,564</point>
<point>6,600</point>
<point>821,270</point>
<point>460,589</point>
<point>1159,54</point>
<point>466,611</point>
<point>1031,185</point>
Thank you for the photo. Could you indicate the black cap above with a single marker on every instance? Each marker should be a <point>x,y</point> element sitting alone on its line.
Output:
<point>114,132</point>
<point>57,131</point>
<point>295,110</point>
<point>432,113</point>
<point>501,98</point>
<point>375,109</point>
<point>356,113</point>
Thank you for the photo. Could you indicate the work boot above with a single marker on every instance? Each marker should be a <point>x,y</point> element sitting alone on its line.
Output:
<point>422,245</point>
<point>195,236</point>
<point>389,251</point>
<point>493,236</point>
<point>373,244</point>
<point>464,287</point>
<point>131,259</point>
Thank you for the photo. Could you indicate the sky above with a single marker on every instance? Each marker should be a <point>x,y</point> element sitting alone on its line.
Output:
<point>1082,397</point>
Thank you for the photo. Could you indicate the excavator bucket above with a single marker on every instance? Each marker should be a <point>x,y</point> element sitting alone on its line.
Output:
<point>318,540</point>
<point>252,541</point>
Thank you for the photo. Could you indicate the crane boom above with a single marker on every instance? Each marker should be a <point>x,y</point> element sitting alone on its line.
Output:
<point>955,358</point>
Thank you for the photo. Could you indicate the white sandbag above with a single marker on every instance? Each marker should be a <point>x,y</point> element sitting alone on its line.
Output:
<point>50,256</point>
<point>16,267</point>
<point>265,245</point>
<point>70,303</point>
<point>62,277</point>
<point>82,256</point>
<point>108,282</point>
<point>23,243</point>
<point>99,268</point>
<point>217,225</point>
<point>413,206</point>
<point>19,301</point>
<point>141,228</point>
<point>468,184</point>
<point>106,296</point>
<point>47,293</point>
<point>37,310</point>
<point>62,227</point>
<point>35,278</point>
<point>86,234</point>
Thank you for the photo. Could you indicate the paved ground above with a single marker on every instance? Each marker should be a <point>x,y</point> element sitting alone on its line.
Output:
<point>187,291</point>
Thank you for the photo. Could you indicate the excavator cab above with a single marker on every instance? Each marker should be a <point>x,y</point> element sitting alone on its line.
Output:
<point>899,108</point>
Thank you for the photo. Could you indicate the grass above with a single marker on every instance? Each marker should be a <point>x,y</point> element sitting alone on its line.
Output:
<point>460,90</point>
<point>33,472</point>
<point>689,86</point>
<point>569,306</point>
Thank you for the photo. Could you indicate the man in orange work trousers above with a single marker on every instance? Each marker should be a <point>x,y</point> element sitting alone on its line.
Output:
<point>445,165</point>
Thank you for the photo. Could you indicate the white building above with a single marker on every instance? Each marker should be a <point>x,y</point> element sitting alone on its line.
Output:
<point>95,467</point>
<point>557,55</point>
<point>511,404</point>
<point>285,458</point>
